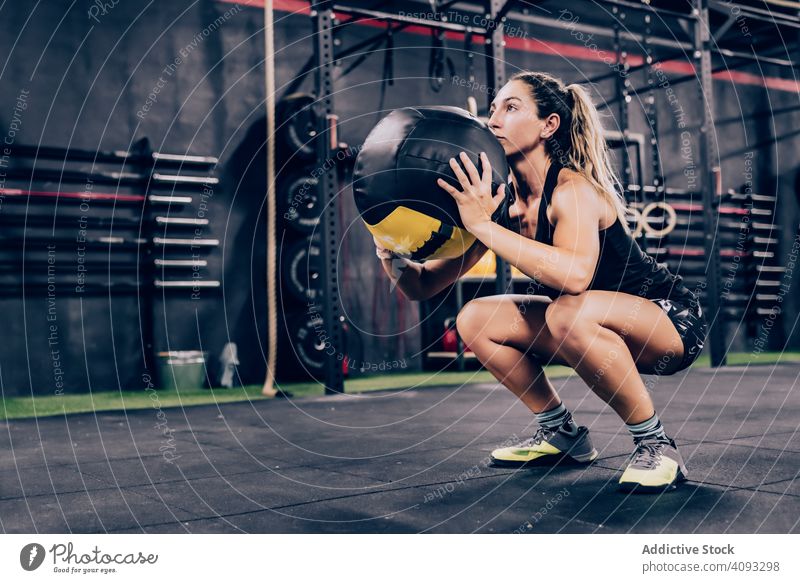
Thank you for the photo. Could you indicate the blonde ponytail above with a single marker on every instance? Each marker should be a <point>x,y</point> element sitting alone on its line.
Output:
<point>579,143</point>
<point>589,153</point>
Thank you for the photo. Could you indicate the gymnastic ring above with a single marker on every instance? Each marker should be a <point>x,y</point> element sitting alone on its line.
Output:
<point>637,216</point>
<point>671,223</point>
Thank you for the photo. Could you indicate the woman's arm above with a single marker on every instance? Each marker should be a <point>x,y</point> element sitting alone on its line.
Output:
<point>569,264</point>
<point>420,281</point>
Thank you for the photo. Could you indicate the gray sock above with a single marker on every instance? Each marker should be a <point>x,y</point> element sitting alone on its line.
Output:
<point>646,429</point>
<point>557,418</point>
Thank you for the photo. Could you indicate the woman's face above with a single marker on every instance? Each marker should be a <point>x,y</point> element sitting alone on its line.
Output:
<point>513,119</point>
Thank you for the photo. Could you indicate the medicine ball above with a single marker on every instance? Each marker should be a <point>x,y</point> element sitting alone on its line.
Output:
<point>394,181</point>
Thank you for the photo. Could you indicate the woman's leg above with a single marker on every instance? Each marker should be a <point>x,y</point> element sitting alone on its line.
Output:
<point>504,332</point>
<point>605,336</point>
<point>509,335</point>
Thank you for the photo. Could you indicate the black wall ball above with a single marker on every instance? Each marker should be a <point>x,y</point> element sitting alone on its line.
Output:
<point>394,181</point>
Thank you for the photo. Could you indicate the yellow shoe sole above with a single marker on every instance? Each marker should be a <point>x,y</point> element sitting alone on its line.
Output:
<point>547,460</point>
<point>636,488</point>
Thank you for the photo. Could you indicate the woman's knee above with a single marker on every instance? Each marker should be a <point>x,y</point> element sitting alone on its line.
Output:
<point>566,317</point>
<point>470,320</point>
<point>494,318</point>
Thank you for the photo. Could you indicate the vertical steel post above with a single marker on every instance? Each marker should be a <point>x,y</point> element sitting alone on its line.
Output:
<point>709,167</point>
<point>327,142</point>
<point>622,84</point>
<point>651,110</point>
<point>495,78</point>
<point>147,270</point>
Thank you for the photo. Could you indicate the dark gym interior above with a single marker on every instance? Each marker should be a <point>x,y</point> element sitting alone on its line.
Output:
<point>133,205</point>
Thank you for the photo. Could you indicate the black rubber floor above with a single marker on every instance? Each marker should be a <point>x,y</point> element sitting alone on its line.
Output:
<point>405,461</point>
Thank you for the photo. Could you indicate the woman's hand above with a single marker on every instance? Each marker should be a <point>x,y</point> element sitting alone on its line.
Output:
<point>475,203</point>
<point>381,251</point>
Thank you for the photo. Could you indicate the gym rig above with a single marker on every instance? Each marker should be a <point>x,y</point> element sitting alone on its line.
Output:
<point>684,227</point>
<point>155,246</point>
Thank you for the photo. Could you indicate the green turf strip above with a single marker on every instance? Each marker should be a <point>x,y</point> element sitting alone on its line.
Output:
<point>44,405</point>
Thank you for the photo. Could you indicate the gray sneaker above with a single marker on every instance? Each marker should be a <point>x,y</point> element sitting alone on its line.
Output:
<point>655,466</point>
<point>547,447</point>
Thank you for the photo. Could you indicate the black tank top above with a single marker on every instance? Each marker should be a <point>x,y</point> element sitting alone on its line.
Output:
<point>622,265</point>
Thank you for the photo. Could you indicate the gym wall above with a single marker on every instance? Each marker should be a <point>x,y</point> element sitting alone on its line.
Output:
<point>86,77</point>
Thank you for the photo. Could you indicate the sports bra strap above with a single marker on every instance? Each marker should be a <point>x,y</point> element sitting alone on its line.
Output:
<point>550,181</point>
<point>544,229</point>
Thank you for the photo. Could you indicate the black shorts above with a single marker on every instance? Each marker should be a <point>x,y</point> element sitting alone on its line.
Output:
<point>687,316</point>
